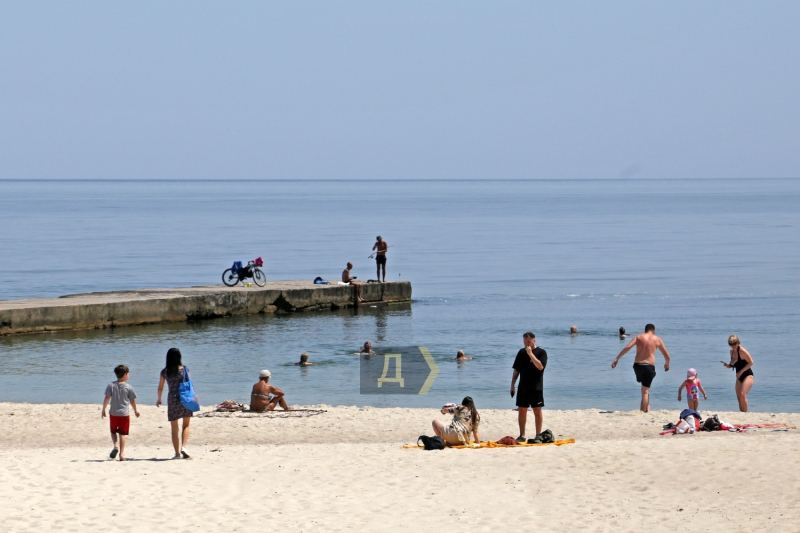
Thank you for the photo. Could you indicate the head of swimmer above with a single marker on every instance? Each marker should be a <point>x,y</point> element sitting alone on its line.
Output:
<point>649,328</point>
<point>303,358</point>
<point>573,330</point>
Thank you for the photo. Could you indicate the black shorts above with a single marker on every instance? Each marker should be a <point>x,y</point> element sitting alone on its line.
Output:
<point>530,398</point>
<point>644,373</point>
<point>380,259</point>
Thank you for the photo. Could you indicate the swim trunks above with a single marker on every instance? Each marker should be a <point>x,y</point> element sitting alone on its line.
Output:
<point>120,424</point>
<point>380,259</point>
<point>644,373</point>
<point>530,398</point>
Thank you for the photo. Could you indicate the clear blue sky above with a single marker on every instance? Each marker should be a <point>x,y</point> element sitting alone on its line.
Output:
<point>375,90</point>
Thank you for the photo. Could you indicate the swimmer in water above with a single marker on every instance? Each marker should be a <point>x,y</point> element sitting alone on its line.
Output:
<point>367,348</point>
<point>304,360</point>
<point>461,357</point>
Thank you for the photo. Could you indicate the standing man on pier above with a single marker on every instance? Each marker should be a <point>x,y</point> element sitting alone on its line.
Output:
<point>644,364</point>
<point>529,366</point>
<point>380,257</point>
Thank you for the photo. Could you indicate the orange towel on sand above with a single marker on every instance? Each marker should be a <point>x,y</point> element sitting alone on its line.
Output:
<point>490,444</point>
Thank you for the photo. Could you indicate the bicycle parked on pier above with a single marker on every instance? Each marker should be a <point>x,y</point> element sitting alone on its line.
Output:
<point>238,273</point>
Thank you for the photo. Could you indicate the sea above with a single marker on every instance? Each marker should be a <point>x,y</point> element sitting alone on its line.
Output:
<point>488,261</point>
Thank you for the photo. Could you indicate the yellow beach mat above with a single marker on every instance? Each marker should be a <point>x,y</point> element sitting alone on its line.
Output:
<point>491,444</point>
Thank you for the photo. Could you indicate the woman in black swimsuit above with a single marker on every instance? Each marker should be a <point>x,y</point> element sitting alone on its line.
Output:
<point>742,361</point>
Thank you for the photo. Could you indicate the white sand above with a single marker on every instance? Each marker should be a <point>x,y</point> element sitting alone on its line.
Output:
<point>345,469</point>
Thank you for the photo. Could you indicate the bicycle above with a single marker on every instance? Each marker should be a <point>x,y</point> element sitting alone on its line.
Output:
<point>237,273</point>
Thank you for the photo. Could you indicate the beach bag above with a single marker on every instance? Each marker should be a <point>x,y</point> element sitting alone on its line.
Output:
<point>508,441</point>
<point>186,393</point>
<point>431,443</point>
<point>258,262</point>
<point>712,423</point>
<point>545,437</point>
<point>237,266</point>
<point>319,281</point>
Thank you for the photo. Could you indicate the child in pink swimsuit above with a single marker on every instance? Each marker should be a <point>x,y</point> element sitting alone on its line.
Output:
<point>693,389</point>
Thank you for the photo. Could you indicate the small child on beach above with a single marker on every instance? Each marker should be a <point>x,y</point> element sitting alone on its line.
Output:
<point>693,389</point>
<point>122,397</point>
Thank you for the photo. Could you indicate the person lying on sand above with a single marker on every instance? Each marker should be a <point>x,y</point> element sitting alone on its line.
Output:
<point>304,360</point>
<point>266,397</point>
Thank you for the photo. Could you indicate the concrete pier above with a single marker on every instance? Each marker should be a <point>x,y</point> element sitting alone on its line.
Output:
<point>149,306</point>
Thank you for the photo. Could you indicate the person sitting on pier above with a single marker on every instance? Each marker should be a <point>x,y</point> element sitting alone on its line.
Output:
<point>304,360</point>
<point>367,348</point>
<point>266,397</point>
<point>347,278</point>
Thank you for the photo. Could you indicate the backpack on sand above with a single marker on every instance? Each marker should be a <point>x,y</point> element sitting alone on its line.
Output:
<point>712,423</point>
<point>431,443</point>
<point>545,437</point>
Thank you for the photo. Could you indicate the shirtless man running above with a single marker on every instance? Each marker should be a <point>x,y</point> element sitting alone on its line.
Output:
<point>644,365</point>
<point>266,397</point>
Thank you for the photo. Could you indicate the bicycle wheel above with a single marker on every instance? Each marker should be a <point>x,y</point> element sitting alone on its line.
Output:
<point>259,278</point>
<point>230,278</point>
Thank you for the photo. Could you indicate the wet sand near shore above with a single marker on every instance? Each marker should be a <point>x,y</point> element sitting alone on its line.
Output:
<point>346,469</point>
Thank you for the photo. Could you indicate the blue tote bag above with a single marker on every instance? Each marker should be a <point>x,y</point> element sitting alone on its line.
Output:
<point>186,393</point>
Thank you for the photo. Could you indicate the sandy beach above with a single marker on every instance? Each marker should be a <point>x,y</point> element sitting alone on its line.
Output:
<point>346,469</point>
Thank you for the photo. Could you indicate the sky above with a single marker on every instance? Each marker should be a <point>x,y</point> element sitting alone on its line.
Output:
<point>399,90</point>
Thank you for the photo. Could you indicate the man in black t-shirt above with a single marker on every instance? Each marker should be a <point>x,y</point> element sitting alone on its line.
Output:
<point>529,366</point>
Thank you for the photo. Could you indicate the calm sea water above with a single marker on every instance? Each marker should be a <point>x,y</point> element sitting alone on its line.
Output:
<point>488,260</point>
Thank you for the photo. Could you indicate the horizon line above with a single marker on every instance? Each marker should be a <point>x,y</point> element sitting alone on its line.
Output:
<point>317,180</point>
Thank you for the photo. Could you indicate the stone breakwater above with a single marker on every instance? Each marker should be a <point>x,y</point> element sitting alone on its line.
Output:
<point>150,306</point>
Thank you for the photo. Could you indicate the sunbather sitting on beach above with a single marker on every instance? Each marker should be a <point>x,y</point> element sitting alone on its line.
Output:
<point>266,397</point>
<point>347,278</point>
<point>465,420</point>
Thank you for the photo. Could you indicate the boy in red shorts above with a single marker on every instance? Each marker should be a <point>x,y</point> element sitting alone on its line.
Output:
<point>121,396</point>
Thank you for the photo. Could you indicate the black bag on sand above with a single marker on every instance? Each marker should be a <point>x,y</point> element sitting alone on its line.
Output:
<point>545,437</point>
<point>712,423</point>
<point>431,443</point>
